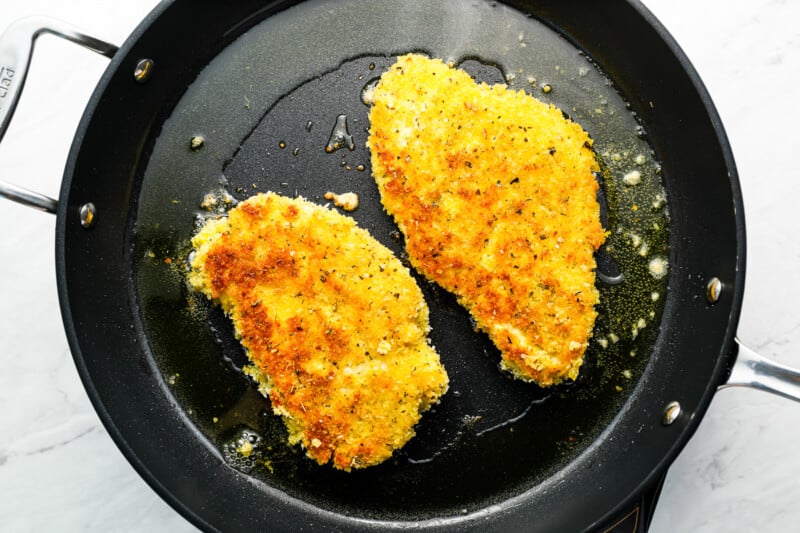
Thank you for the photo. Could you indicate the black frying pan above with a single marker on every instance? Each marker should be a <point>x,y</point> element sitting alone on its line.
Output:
<point>159,375</point>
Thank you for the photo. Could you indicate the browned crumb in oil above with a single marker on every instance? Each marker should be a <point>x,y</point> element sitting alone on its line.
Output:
<point>347,201</point>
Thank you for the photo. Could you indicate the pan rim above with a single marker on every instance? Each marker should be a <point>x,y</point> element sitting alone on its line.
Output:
<point>62,214</point>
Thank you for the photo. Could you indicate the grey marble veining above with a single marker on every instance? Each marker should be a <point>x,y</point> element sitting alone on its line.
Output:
<point>59,470</point>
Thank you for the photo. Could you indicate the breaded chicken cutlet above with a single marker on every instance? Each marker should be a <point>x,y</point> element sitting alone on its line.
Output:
<point>332,322</point>
<point>495,194</point>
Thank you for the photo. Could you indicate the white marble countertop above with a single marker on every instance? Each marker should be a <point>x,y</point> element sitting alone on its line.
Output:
<point>59,470</point>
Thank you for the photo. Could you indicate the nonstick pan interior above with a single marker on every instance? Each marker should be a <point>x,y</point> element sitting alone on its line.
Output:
<point>492,436</point>
<point>265,107</point>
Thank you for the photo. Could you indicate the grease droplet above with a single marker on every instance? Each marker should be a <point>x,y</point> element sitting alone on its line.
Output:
<point>340,136</point>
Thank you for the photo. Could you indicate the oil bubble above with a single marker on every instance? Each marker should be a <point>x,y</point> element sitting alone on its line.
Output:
<point>242,449</point>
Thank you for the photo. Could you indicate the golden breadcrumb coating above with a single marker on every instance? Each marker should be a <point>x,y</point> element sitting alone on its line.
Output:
<point>495,194</point>
<point>333,324</point>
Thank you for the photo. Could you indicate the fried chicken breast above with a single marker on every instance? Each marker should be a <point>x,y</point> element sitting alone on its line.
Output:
<point>333,324</point>
<point>495,194</point>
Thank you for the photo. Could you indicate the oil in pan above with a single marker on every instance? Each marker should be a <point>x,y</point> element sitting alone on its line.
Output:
<point>260,117</point>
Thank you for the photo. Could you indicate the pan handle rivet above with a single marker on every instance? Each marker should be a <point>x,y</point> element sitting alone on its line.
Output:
<point>713,290</point>
<point>671,413</point>
<point>143,70</point>
<point>88,214</point>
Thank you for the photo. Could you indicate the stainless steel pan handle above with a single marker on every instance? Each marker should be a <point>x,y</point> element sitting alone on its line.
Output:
<point>757,372</point>
<point>16,49</point>
<point>28,197</point>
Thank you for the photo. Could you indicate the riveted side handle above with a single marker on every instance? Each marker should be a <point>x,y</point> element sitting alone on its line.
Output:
<point>16,49</point>
<point>757,372</point>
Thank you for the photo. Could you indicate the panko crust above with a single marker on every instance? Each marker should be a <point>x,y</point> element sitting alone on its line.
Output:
<point>333,324</point>
<point>495,194</point>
